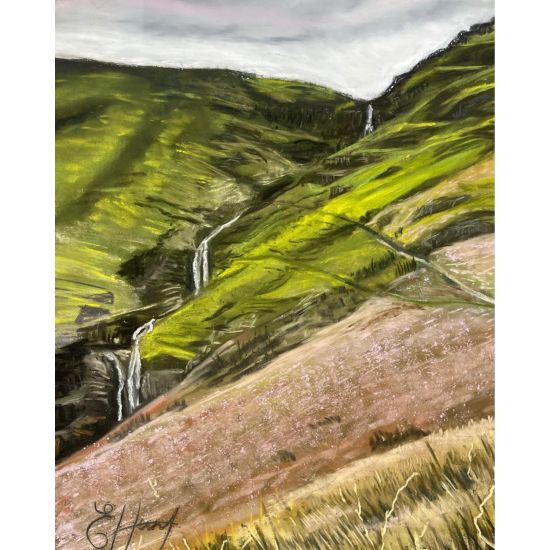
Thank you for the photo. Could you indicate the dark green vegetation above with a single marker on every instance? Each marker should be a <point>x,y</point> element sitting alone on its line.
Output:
<point>149,161</point>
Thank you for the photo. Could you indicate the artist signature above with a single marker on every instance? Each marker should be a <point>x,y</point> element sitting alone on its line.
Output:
<point>101,531</point>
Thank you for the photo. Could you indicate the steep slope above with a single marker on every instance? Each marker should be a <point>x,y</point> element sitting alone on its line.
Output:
<point>355,221</point>
<point>330,214</point>
<point>148,160</point>
<point>391,372</point>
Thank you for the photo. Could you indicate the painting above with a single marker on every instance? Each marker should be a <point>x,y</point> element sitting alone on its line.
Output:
<point>274,272</point>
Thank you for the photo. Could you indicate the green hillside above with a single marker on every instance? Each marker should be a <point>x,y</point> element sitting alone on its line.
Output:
<point>149,161</point>
<point>424,178</point>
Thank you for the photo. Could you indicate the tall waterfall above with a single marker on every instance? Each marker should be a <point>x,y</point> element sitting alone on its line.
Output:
<point>369,127</point>
<point>134,366</point>
<point>114,360</point>
<point>201,269</point>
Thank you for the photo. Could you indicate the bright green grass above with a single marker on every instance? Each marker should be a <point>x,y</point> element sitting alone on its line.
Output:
<point>263,285</point>
<point>310,252</point>
<point>304,242</point>
<point>211,149</point>
<point>146,159</point>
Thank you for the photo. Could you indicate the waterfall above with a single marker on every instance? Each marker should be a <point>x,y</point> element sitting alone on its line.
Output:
<point>369,127</point>
<point>134,366</point>
<point>201,268</point>
<point>113,359</point>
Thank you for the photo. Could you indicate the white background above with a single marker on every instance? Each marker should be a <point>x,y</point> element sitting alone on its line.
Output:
<point>27,270</point>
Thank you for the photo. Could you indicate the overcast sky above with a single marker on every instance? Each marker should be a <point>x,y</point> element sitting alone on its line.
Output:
<point>354,46</point>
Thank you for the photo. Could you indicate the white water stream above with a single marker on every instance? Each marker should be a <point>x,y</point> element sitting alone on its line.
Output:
<point>116,362</point>
<point>201,267</point>
<point>133,381</point>
<point>369,126</point>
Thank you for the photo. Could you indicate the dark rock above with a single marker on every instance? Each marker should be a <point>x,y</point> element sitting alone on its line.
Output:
<point>87,405</point>
<point>157,382</point>
<point>90,313</point>
<point>103,297</point>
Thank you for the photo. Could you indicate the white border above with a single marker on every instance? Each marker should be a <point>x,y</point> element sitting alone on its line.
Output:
<point>523,330</point>
<point>522,251</point>
<point>27,260</point>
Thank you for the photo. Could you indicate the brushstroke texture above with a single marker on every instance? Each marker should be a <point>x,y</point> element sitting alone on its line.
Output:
<point>354,46</point>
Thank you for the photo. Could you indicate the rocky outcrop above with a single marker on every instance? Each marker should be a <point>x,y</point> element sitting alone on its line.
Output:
<point>91,406</point>
<point>92,393</point>
<point>155,383</point>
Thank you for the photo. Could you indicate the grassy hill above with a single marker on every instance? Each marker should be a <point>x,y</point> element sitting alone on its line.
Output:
<point>151,160</point>
<point>148,160</point>
<point>424,178</point>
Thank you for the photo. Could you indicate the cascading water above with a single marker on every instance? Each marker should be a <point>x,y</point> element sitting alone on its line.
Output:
<point>113,359</point>
<point>133,380</point>
<point>201,268</point>
<point>369,127</point>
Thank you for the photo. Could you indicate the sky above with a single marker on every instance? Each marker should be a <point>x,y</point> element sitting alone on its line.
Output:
<point>353,46</point>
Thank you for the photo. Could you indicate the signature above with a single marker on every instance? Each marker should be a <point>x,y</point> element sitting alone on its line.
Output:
<point>99,533</point>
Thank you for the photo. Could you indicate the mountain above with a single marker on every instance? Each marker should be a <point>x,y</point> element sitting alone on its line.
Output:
<point>263,288</point>
<point>355,221</point>
<point>148,159</point>
<point>148,162</point>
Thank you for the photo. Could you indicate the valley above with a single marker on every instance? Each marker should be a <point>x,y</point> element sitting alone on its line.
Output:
<point>269,294</point>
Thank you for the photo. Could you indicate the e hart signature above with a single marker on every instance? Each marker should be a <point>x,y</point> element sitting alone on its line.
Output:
<point>101,531</point>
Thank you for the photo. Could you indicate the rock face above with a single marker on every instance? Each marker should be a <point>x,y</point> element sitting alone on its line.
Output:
<point>90,313</point>
<point>91,405</point>
<point>155,383</point>
<point>92,394</point>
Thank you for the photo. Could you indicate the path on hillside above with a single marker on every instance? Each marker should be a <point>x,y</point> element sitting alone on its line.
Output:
<point>400,249</point>
<point>387,242</point>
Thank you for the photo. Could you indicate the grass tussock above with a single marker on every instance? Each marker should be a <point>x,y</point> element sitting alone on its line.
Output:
<point>436,493</point>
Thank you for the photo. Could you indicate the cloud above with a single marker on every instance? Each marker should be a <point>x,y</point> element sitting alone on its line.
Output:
<point>355,46</point>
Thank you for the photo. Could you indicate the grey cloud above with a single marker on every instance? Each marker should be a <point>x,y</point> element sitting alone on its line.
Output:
<point>355,46</point>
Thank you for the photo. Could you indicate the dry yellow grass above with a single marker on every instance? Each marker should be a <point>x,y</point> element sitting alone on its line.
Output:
<point>433,493</point>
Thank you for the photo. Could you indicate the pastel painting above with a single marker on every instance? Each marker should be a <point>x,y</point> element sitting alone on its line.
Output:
<point>274,274</point>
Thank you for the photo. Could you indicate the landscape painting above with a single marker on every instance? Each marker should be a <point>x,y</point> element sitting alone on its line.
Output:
<point>274,273</point>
